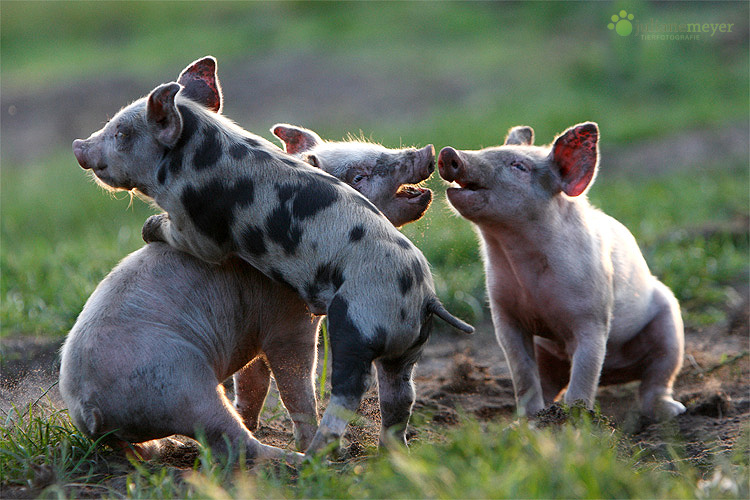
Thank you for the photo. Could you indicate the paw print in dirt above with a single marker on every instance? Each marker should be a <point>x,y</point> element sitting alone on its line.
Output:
<point>621,23</point>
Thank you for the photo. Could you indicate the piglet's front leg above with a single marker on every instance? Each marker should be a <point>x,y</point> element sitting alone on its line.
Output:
<point>153,228</point>
<point>162,228</point>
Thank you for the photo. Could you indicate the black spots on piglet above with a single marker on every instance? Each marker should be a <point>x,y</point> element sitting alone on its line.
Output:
<point>281,229</point>
<point>313,197</point>
<point>357,233</point>
<point>209,150</point>
<point>297,203</point>
<point>285,192</point>
<point>189,127</point>
<point>328,277</point>
<point>405,282</point>
<point>239,151</point>
<point>253,241</point>
<point>352,353</point>
<point>211,207</point>
<point>419,272</point>
<point>412,277</point>
<point>171,163</point>
<point>161,173</point>
<point>330,273</point>
<point>280,226</point>
<point>249,149</point>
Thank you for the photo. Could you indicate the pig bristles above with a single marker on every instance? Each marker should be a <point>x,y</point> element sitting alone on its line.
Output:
<point>113,192</point>
<point>109,189</point>
<point>369,140</point>
<point>360,138</point>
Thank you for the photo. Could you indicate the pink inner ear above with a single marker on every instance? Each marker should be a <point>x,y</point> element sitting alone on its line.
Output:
<point>575,155</point>
<point>295,141</point>
<point>201,85</point>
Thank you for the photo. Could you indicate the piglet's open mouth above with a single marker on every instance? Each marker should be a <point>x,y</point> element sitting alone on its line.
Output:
<point>464,184</point>
<point>411,192</point>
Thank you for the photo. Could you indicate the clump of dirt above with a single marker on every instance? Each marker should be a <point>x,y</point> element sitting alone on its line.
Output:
<point>557,414</point>
<point>717,405</point>
<point>554,415</point>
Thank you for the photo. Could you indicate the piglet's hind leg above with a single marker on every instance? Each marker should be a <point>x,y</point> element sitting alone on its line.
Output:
<point>251,385</point>
<point>218,421</point>
<point>665,337</point>
<point>351,373</point>
<point>397,395</point>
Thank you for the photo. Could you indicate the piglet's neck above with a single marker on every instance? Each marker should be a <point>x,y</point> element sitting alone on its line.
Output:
<point>539,238</point>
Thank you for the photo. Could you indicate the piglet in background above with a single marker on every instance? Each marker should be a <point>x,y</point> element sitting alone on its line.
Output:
<point>387,177</point>
<point>573,302</point>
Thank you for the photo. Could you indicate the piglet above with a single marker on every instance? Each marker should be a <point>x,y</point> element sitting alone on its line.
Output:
<point>573,302</point>
<point>387,177</point>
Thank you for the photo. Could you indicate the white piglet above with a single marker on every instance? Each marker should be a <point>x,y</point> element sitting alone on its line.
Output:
<point>573,302</point>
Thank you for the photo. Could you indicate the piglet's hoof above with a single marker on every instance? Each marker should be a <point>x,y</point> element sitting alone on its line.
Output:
<point>152,228</point>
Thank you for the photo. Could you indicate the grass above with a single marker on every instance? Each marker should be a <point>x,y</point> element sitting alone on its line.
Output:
<point>581,458</point>
<point>39,446</point>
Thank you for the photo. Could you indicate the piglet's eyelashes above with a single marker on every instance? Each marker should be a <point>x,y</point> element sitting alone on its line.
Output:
<point>519,165</point>
<point>358,178</point>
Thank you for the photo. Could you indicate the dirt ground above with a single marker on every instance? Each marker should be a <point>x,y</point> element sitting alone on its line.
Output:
<point>463,377</point>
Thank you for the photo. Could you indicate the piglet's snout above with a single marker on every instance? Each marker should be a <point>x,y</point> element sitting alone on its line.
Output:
<point>450,165</point>
<point>79,150</point>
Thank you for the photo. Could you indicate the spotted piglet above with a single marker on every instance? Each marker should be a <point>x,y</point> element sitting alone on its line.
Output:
<point>387,177</point>
<point>228,192</point>
<point>206,322</point>
<point>572,299</point>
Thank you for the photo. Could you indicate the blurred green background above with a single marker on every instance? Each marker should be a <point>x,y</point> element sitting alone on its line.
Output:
<point>673,116</point>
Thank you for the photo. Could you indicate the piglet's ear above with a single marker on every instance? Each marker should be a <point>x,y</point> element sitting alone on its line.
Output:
<point>201,83</point>
<point>296,139</point>
<point>575,153</point>
<point>163,118</point>
<point>520,136</point>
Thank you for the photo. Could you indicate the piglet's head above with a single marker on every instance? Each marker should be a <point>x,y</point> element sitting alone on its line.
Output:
<point>127,151</point>
<point>387,177</point>
<point>513,184</point>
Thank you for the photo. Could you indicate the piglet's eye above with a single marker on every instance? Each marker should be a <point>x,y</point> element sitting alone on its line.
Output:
<point>520,166</point>
<point>357,178</point>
